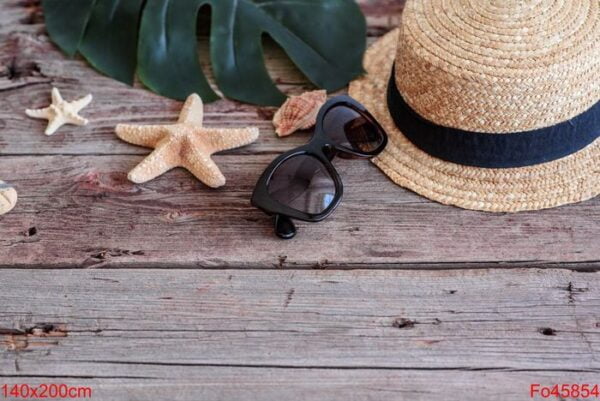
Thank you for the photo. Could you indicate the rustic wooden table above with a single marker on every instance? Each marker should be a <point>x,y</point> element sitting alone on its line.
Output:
<point>171,290</point>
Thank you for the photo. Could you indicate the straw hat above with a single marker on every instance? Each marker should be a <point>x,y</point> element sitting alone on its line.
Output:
<point>490,104</point>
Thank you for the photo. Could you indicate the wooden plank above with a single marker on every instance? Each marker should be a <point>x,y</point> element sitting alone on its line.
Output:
<point>77,211</point>
<point>223,333</point>
<point>195,383</point>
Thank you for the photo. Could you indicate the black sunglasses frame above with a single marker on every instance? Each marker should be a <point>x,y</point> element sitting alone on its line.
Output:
<point>324,149</point>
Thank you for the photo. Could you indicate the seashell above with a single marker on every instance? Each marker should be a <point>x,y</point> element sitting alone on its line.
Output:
<point>8,198</point>
<point>299,112</point>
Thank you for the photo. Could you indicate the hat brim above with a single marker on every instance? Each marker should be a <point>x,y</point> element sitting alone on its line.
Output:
<point>571,179</point>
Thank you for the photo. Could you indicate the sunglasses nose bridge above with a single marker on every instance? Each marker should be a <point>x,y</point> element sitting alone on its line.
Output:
<point>329,151</point>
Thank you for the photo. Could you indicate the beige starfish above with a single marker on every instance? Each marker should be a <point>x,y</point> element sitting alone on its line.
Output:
<point>185,144</point>
<point>61,112</point>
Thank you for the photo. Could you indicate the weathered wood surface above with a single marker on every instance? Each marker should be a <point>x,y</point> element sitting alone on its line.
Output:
<point>252,334</point>
<point>75,198</point>
<point>211,383</point>
<point>77,211</point>
<point>254,325</point>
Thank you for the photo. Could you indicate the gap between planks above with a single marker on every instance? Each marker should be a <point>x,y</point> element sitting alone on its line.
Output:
<point>256,335</point>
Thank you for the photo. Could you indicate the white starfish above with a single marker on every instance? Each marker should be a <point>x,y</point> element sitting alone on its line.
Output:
<point>61,112</point>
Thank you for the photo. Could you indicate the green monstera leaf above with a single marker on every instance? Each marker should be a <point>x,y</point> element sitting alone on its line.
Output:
<point>157,39</point>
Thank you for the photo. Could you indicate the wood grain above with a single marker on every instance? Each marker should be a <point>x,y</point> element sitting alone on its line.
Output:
<point>212,383</point>
<point>85,213</point>
<point>196,299</point>
<point>301,334</point>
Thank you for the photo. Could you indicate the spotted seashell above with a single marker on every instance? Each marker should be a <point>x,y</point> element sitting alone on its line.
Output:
<point>8,198</point>
<point>299,112</point>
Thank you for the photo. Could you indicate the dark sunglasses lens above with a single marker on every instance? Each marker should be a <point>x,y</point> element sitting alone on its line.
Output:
<point>350,129</point>
<point>304,184</point>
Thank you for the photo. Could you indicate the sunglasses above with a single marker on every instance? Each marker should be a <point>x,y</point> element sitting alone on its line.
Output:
<point>302,184</point>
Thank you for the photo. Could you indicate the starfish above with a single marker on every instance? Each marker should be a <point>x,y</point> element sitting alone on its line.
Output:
<point>61,112</point>
<point>185,144</point>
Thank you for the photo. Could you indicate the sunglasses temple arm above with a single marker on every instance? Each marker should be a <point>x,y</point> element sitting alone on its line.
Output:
<point>284,227</point>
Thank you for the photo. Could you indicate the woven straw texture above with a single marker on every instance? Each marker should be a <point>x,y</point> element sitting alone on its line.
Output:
<point>499,66</point>
<point>571,179</point>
